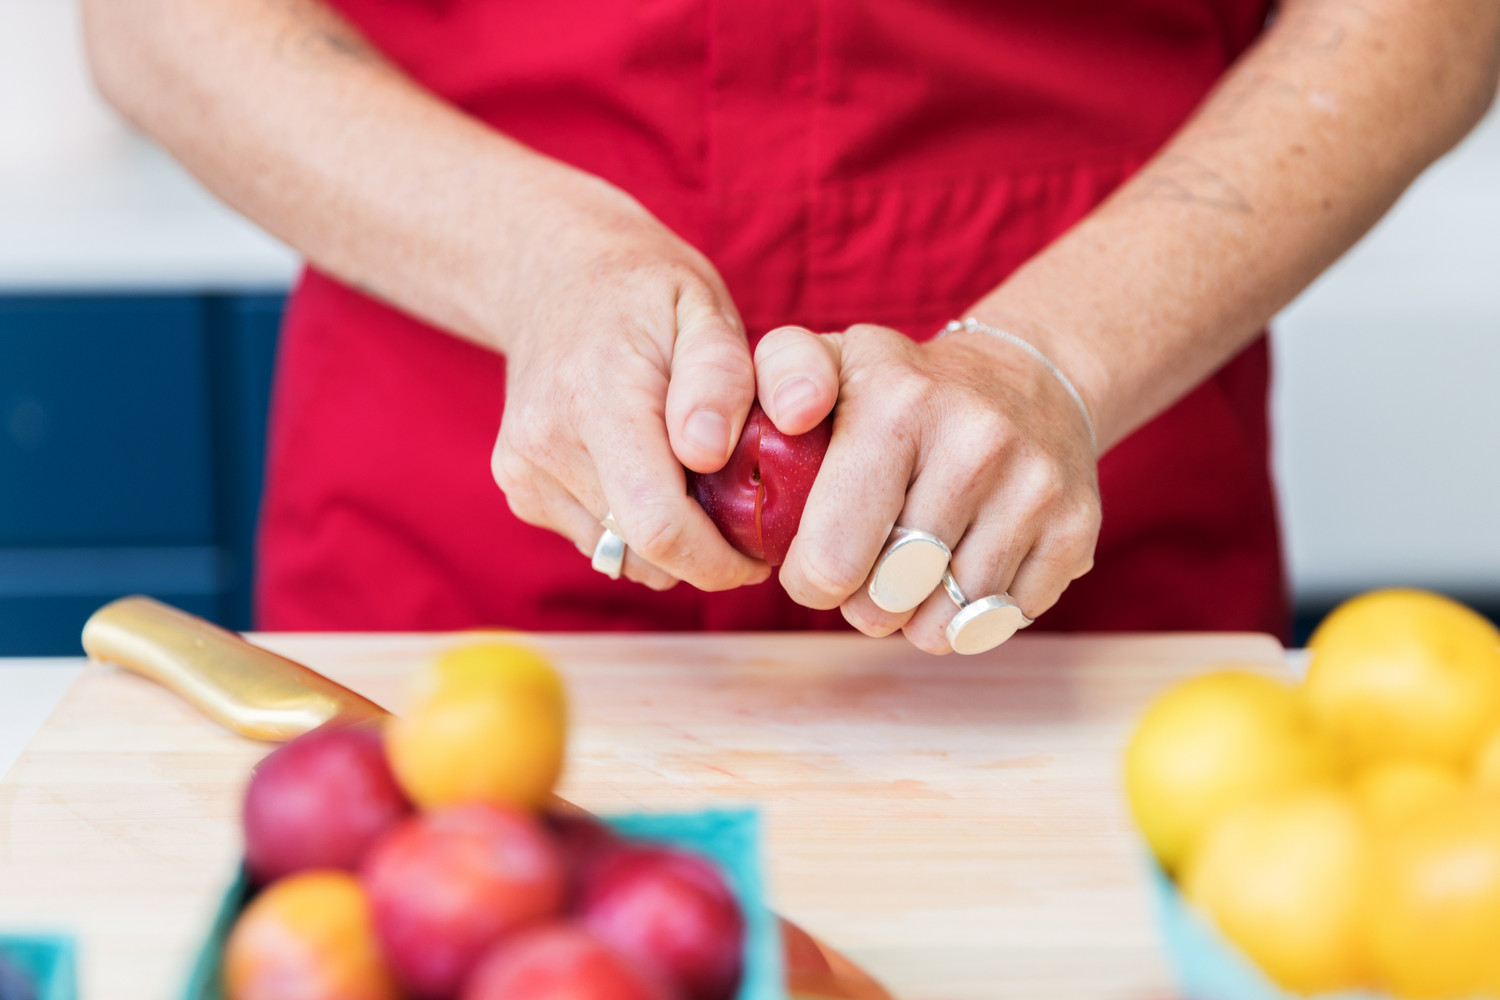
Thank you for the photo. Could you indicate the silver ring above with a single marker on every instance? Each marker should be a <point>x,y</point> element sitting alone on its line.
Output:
<point>954,594</point>
<point>984,624</point>
<point>609,551</point>
<point>908,570</point>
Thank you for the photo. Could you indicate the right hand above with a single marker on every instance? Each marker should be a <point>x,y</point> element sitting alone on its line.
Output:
<point>625,361</point>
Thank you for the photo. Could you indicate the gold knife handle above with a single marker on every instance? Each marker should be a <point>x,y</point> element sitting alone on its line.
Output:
<point>243,687</point>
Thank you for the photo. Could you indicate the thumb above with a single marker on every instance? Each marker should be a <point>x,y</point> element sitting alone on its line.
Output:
<point>712,382</point>
<point>797,377</point>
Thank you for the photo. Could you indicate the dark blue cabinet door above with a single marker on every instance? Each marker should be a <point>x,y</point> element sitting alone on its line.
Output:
<point>131,446</point>
<point>104,430</point>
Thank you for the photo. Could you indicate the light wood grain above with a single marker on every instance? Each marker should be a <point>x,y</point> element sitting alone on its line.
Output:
<point>953,824</point>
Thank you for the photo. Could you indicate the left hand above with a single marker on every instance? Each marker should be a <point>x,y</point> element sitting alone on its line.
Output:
<point>966,437</point>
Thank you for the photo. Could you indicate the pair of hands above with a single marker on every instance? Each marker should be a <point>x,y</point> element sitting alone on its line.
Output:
<point>627,360</point>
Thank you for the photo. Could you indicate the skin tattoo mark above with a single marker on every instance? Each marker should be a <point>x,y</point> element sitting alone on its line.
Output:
<point>318,35</point>
<point>1184,180</point>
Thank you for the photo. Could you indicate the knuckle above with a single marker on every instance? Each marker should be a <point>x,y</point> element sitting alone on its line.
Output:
<point>1034,607</point>
<point>1043,486</point>
<point>869,621</point>
<point>831,575</point>
<point>993,431</point>
<point>507,467</point>
<point>928,639</point>
<point>902,406</point>
<point>524,501</point>
<point>911,390</point>
<point>873,333</point>
<point>656,535</point>
<point>525,508</point>
<point>1068,550</point>
<point>1078,548</point>
<point>1078,529</point>
<point>647,575</point>
<point>873,349</point>
<point>528,436</point>
<point>499,460</point>
<point>976,459</point>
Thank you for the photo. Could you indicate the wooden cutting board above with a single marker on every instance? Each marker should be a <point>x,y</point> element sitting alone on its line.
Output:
<point>953,824</point>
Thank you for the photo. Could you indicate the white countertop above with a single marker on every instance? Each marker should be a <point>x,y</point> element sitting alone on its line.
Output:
<point>31,688</point>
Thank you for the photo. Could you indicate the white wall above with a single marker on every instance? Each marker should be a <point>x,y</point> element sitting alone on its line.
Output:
<point>1387,398</point>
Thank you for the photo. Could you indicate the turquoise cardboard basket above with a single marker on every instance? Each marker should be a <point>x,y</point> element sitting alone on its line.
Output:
<point>729,837</point>
<point>1208,967</point>
<point>47,959</point>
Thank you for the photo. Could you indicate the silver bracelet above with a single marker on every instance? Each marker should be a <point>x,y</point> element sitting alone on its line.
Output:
<point>973,325</point>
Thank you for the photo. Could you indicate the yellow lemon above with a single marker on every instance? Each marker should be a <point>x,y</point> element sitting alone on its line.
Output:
<point>1405,674</point>
<point>1487,763</point>
<point>1212,743</point>
<point>1433,920</point>
<point>488,723</point>
<point>1283,878</point>
<point>1396,791</point>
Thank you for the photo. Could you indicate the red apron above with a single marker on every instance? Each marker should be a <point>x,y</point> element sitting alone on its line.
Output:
<point>840,161</point>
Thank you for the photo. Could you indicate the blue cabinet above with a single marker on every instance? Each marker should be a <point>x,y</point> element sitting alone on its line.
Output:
<point>105,410</point>
<point>131,443</point>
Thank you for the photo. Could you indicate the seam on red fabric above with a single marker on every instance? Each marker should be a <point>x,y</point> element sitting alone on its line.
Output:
<point>1124,160</point>
<point>810,185</point>
<point>712,191</point>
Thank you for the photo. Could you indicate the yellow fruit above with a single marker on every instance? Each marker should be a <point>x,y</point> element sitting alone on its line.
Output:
<point>1487,763</point>
<point>1433,921</point>
<point>492,664</point>
<point>487,724</point>
<point>307,935</point>
<point>1405,674</point>
<point>1396,791</point>
<point>1212,743</point>
<point>1284,879</point>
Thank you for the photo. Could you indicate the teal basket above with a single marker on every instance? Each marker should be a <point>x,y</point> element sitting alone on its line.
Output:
<point>47,960</point>
<point>728,837</point>
<point>1208,967</point>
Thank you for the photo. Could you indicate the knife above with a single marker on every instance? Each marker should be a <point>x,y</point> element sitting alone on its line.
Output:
<point>259,694</point>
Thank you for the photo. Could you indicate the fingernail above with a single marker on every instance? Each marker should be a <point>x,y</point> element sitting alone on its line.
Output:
<point>707,431</point>
<point>793,393</point>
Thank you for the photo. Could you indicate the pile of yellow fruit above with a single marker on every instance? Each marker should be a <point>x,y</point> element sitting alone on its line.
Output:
<point>1344,833</point>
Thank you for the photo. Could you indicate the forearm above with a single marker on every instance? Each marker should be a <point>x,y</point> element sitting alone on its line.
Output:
<point>1306,143</point>
<point>284,111</point>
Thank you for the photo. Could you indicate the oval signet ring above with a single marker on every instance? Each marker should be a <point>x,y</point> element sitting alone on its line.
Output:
<point>983,624</point>
<point>908,570</point>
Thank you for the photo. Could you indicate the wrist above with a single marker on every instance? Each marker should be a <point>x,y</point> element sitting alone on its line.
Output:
<point>975,326</point>
<point>532,243</point>
<point>1068,352</point>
